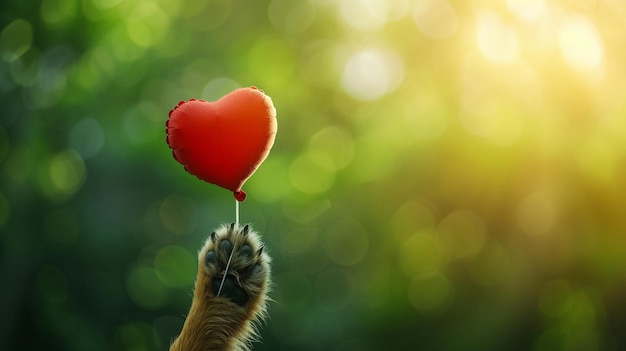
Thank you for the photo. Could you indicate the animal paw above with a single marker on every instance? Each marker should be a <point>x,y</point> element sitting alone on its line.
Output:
<point>230,295</point>
<point>234,267</point>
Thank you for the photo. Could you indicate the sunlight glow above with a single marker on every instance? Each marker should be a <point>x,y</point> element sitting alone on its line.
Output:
<point>370,74</point>
<point>580,43</point>
<point>365,15</point>
<point>527,10</point>
<point>436,19</point>
<point>496,39</point>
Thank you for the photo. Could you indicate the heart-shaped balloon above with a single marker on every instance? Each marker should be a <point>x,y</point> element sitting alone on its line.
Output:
<point>225,141</point>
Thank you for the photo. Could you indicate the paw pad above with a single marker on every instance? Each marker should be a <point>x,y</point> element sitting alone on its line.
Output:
<point>230,289</point>
<point>210,258</point>
<point>226,247</point>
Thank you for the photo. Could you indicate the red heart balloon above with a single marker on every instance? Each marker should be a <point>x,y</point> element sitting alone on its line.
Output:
<point>225,141</point>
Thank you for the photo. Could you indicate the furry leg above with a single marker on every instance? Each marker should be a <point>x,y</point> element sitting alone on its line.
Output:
<point>227,322</point>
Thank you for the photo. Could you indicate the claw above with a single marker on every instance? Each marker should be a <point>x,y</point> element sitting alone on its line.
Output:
<point>232,226</point>
<point>245,230</point>
<point>260,251</point>
<point>213,237</point>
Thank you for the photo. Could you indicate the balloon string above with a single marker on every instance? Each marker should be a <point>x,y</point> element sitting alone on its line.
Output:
<point>236,211</point>
<point>225,272</point>
<point>219,291</point>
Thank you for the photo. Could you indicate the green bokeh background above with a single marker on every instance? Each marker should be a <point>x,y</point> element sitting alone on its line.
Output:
<point>447,175</point>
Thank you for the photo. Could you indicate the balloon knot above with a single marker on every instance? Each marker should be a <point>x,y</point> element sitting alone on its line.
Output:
<point>240,195</point>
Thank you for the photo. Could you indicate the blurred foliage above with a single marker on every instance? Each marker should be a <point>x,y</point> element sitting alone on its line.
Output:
<point>448,175</point>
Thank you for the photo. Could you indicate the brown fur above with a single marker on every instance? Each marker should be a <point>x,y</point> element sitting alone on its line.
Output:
<point>217,323</point>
